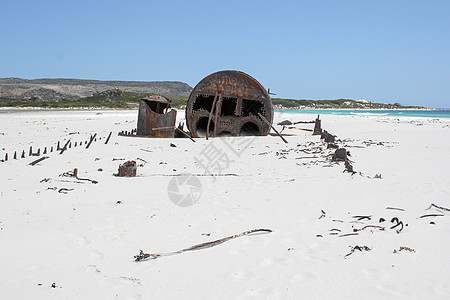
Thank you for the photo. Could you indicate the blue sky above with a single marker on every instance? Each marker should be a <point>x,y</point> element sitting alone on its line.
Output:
<point>385,51</point>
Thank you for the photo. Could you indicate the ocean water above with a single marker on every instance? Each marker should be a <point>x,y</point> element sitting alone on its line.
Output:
<point>349,112</point>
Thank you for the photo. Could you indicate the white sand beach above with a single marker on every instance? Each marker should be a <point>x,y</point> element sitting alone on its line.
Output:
<point>82,237</point>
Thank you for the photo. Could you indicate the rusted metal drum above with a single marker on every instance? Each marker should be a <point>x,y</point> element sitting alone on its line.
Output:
<point>227,103</point>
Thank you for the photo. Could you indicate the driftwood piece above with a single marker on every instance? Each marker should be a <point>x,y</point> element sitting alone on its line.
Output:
<point>107,139</point>
<point>430,215</point>
<point>362,217</point>
<point>146,256</point>
<point>285,123</point>
<point>90,142</point>
<point>74,174</point>
<point>399,223</point>
<point>438,207</point>
<point>65,147</point>
<point>395,208</point>
<point>64,190</point>
<point>373,226</point>
<point>38,160</point>
<point>360,248</point>
<point>348,234</point>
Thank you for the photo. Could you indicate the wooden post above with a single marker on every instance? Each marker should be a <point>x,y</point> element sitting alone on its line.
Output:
<point>107,139</point>
<point>65,147</point>
<point>31,151</point>
<point>90,142</point>
<point>15,154</point>
<point>23,153</point>
<point>45,151</point>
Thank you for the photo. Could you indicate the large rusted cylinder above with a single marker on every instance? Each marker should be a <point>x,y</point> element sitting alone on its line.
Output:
<point>228,103</point>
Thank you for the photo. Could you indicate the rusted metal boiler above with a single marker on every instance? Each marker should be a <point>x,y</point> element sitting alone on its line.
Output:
<point>229,103</point>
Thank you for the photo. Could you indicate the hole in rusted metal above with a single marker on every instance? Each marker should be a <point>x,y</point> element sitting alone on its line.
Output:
<point>225,134</point>
<point>203,102</point>
<point>155,106</point>
<point>228,106</point>
<point>202,125</point>
<point>252,107</point>
<point>249,128</point>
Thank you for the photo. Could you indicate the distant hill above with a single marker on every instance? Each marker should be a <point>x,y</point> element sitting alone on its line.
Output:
<point>57,89</point>
<point>335,104</point>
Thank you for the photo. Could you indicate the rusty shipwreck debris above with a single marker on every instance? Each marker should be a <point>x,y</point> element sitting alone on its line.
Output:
<point>317,127</point>
<point>127,169</point>
<point>155,119</point>
<point>229,103</point>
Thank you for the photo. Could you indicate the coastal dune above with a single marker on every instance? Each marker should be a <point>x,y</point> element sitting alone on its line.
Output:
<point>380,232</point>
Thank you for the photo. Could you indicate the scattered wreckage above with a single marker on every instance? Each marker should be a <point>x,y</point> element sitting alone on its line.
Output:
<point>225,103</point>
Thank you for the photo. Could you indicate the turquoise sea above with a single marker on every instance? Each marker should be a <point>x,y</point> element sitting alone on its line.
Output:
<point>397,113</point>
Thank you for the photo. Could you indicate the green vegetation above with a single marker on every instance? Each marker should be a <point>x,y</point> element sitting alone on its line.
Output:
<point>107,99</point>
<point>334,104</point>
<point>178,101</point>
<point>120,99</point>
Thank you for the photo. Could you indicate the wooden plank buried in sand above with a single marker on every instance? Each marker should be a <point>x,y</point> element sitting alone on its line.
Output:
<point>268,123</point>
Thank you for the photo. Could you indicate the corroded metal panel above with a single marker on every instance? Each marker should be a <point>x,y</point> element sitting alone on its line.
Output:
<point>150,121</point>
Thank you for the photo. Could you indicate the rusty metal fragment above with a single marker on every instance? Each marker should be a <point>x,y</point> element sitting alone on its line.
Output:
<point>227,103</point>
<point>317,127</point>
<point>153,114</point>
<point>127,169</point>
